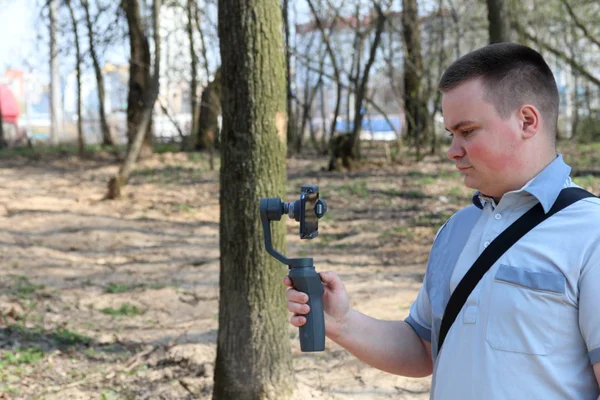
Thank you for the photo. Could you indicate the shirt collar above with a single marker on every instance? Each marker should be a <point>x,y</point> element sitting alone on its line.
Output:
<point>545,186</point>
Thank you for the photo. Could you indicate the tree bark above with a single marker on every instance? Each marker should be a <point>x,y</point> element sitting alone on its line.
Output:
<point>253,348</point>
<point>149,98</point>
<point>139,77</point>
<point>107,139</point>
<point>414,103</point>
<point>80,140</point>
<point>499,23</point>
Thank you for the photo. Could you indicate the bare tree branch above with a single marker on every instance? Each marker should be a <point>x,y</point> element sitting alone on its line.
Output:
<point>563,56</point>
<point>579,24</point>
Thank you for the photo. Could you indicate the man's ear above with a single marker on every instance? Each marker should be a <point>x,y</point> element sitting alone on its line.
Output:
<point>529,120</point>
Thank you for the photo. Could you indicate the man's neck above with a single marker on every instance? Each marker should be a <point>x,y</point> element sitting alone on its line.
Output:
<point>543,164</point>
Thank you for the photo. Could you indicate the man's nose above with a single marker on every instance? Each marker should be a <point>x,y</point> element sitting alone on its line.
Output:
<point>456,150</point>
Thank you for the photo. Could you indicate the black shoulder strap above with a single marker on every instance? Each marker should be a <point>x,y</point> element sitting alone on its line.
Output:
<point>499,246</point>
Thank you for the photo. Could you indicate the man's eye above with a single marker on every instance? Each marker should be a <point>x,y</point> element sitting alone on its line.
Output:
<point>467,132</point>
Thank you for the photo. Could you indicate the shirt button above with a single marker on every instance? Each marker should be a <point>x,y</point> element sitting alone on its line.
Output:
<point>486,244</point>
<point>498,216</point>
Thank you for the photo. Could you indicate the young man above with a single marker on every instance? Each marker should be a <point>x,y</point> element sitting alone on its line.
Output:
<point>531,327</point>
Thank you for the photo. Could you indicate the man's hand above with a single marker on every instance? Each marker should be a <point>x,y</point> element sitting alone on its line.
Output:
<point>391,346</point>
<point>335,304</point>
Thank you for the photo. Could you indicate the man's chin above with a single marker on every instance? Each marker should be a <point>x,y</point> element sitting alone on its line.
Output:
<point>470,183</point>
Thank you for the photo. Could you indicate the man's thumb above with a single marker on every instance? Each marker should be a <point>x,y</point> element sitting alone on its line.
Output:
<point>330,278</point>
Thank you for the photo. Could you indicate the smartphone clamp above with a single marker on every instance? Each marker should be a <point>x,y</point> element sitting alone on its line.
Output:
<point>301,270</point>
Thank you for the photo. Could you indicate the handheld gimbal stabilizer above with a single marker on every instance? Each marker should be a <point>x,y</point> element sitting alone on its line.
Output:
<point>302,272</point>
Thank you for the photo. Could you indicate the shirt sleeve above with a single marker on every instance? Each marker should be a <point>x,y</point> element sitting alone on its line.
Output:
<point>419,317</point>
<point>589,299</point>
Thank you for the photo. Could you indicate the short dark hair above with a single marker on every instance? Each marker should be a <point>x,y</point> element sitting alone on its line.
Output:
<point>512,75</point>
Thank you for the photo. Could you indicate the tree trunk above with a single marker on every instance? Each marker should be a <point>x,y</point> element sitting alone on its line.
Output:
<point>55,98</point>
<point>291,125</point>
<point>80,140</point>
<point>323,109</point>
<point>107,139</point>
<point>149,98</point>
<point>139,76</point>
<point>208,117</point>
<point>499,23</point>
<point>309,97</point>
<point>202,41</point>
<point>253,347</point>
<point>574,107</point>
<point>437,102</point>
<point>349,149</point>
<point>191,12</point>
<point>414,103</point>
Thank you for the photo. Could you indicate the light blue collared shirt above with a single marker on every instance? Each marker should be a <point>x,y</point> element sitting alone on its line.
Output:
<point>531,327</point>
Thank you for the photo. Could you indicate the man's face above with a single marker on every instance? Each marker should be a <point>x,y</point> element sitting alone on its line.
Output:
<point>485,146</point>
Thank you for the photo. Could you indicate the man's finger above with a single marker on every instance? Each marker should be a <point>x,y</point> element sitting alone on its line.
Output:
<point>298,308</point>
<point>296,296</point>
<point>331,279</point>
<point>297,321</point>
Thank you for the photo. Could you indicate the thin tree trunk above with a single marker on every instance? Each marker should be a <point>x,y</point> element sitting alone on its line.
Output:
<point>369,100</point>
<point>139,77</point>
<point>309,98</point>
<point>202,42</point>
<point>291,125</point>
<point>323,110</point>
<point>107,139</point>
<point>80,140</point>
<point>362,82</point>
<point>208,116</point>
<point>253,348</point>
<point>196,134</point>
<point>55,102</point>
<point>191,11</point>
<point>575,107</point>
<point>334,65</point>
<point>437,103</point>
<point>414,104</point>
<point>499,23</point>
<point>173,121</point>
<point>116,183</point>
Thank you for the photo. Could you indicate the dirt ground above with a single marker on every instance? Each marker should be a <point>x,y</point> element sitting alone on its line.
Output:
<point>119,299</point>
